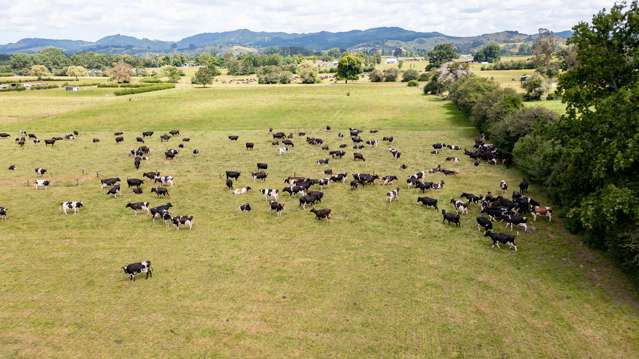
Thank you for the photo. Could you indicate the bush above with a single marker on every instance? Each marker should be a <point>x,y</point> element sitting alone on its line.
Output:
<point>535,87</point>
<point>494,106</point>
<point>149,88</point>
<point>410,75</point>
<point>434,86</point>
<point>466,92</point>
<point>510,65</point>
<point>517,124</point>
<point>285,77</point>
<point>376,76</point>
<point>412,83</point>
<point>307,71</point>
<point>423,77</point>
<point>391,74</point>
<point>108,85</point>
<point>19,88</point>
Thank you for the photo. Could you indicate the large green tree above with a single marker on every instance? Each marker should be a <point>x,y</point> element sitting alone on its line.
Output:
<point>441,54</point>
<point>488,53</point>
<point>349,67</point>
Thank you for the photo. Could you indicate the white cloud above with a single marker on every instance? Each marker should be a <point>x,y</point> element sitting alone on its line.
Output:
<point>175,19</point>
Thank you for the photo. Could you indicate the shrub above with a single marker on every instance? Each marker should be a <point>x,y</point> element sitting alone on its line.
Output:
<point>307,71</point>
<point>494,106</point>
<point>536,87</point>
<point>423,77</point>
<point>149,88</point>
<point>412,83</point>
<point>517,124</point>
<point>410,75</point>
<point>376,76</point>
<point>6,74</point>
<point>391,74</point>
<point>466,92</point>
<point>285,77</point>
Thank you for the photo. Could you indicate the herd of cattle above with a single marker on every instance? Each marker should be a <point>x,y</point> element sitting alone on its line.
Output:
<point>513,211</point>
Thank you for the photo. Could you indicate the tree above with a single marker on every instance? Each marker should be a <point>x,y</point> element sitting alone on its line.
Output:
<point>391,74</point>
<point>52,58</point>
<point>536,87</point>
<point>465,92</point>
<point>39,71</point>
<point>21,63</point>
<point>494,106</point>
<point>543,51</point>
<point>76,71</point>
<point>203,76</point>
<point>349,67</point>
<point>441,54</point>
<point>172,73</point>
<point>307,71</point>
<point>376,75</point>
<point>504,133</point>
<point>121,72</point>
<point>488,53</point>
<point>409,75</point>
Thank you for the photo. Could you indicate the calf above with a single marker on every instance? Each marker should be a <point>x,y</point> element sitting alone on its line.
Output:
<point>138,207</point>
<point>179,221</point>
<point>160,191</point>
<point>12,168</point>
<point>196,152</point>
<point>245,207</point>
<point>133,269</point>
<point>451,218</point>
<point>503,185</point>
<point>242,190</point>
<point>393,195</point>
<point>42,184</point>
<point>137,190</point>
<point>71,205</point>
<point>114,191</point>
<point>324,213</point>
<point>269,194</point>
<point>282,150</point>
<point>542,212</point>
<point>170,154</point>
<point>277,208</point>
<point>485,223</point>
<point>501,238</point>
<point>452,159</point>
<point>139,139</point>
<point>95,140</point>
<point>428,202</point>
<point>174,132</point>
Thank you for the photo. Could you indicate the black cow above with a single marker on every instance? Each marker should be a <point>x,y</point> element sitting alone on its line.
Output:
<point>232,174</point>
<point>249,145</point>
<point>451,218</point>
<point>119,139</point>
<point>501,238</point>
<point>160,191</point>
<point>245,207</point>
<point>428,202</point>
<point>134,182</point>
<point>147,133</point>
<point>324,213</point>
<point>262,166</point>
<point>485,223</point>
<point>277,208</point>
<point>174,132</point>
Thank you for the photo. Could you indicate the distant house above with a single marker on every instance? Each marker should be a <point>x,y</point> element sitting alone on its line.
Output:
<point>72,88</point>
<point>390,61</point>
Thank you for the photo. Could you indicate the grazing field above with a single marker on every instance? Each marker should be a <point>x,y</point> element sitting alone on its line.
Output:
<point>376,280</point>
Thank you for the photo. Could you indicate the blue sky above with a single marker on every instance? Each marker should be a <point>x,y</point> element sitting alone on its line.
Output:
<point>175,19</point>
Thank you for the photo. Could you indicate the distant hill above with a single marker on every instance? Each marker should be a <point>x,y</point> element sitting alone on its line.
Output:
<point>386,38</point>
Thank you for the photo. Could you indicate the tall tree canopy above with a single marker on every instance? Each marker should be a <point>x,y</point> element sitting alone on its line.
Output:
<point>349,67</point>
<point>441,54</point>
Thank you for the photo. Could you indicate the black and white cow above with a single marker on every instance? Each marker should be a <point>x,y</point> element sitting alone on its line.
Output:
<point>245,207</point>
<point>109,181</point>
<point>3,213</point>
<point>393,195</point>
<point>277,208</point>
<point>170,154</point>
<point>134,269</point>
<point>501,238</point>
<point>160,191</point>
<point>40,171</point>
<point>259,175</point>
<point>138,207</point>
<point>270,194</point>
<point>71,205</point>
<point>389,179</point>
<point>503,185</point>
<point>41,184</point>
<point>151,175</point>
<point>485,223</point>
<point>114,191</point>
<point>179,221</point>
<point>243,190</point>
<point>164,180</point>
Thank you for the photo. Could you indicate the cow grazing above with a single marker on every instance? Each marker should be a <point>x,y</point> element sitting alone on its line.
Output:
<point>137,190</point>
<point>249,145</point>
<point>41,184</point>
<point>49,141</point>
<point>428,202</point>
<point>134,182</point>
<point>147,133</point>
<point>288,143</point>
<point>277,208</point>
<point>259,175</point>
<point>180,221</point>
<point>3,213</point>
<point>151,175</point>
<point>170,154</point>
<point>119,139</point>
<point>134,269</point>
<point>270,194</point>
<point>40,171</point>
<point>324,213</point>
<point>358,157</point>
<point>160,191</point>
<point>161,212</point>
<point>229,184</point>
<point>451,218</point>
<point>12,168</point>
<point>95,140</point>
<point>501,238</point>
<point>245,207</point>
<point>174,132</point>
<point>328,172</point>
<point>471,197</point>
<point>439,185</point>
<point>393,195</point>
<point>71,205</point>
<point>235,175</point>
<point>196,152</point>
<point>138,207</point>
<point>388,139</point>
<point>453,159</point>
<point>262,166</point>
<point>136,162</point>
<point>542,212</point>
<point>453,147</point>
<point>323,161</point>
<point>242,190</point>
<point>165,138</point>
<point>114,191</point>
<point>139,139</point>
<point>516,221</point>
<point>485,223</point>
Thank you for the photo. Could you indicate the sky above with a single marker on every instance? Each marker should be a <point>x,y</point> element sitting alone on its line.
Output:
<point>173,20</point>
